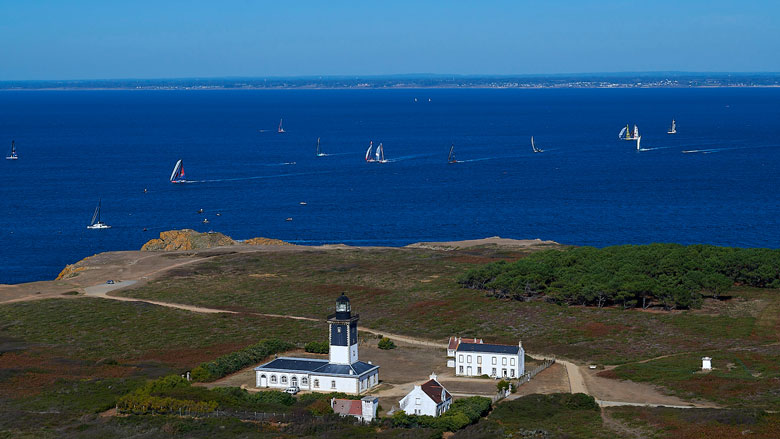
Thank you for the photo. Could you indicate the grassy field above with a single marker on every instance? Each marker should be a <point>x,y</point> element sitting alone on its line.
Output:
<point>65,358</point>
<point>414,292</point>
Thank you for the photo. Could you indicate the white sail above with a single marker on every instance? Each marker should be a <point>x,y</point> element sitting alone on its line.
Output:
<point>378,152</point>
<point>368,151</point>
<point>623,131</point>
<point>533,145</point>
<point>95,215</point>
<point>637,143</point>
<point>636,132</point>
<point>176,170</point>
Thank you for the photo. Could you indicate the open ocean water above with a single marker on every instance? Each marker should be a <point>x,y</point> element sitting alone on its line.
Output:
<point>587,188</point>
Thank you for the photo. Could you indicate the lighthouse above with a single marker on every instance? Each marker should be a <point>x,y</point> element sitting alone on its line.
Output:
<point>343,334</point>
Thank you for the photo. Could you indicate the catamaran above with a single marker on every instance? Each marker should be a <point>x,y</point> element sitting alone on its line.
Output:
<point>369,159</point>
<point>280,130</point>
<point>13,155</point>
<point>319,151</point>
<point>673,128</point>
<point>533,145</point>
<point>177,176</point>
<point>96,223</point>
<point>380,154</point>
<point>451,158</point>
<point>626,134</point>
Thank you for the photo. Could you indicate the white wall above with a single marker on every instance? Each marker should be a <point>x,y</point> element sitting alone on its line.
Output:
<point>410,405</point>
<point>349,385</point>
<point>465,360</point>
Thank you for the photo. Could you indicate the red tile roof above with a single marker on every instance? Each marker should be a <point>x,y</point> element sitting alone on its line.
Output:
<point>453,344</point>
<point>348,407</point>
<point>433,389</point>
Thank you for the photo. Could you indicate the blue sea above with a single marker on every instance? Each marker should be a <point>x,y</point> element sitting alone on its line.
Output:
<point>587,188</point>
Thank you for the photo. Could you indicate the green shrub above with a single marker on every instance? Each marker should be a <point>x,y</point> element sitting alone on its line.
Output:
<point>502,385</point>
<point>236,361</point>
<point>317,347</point>
<point>386,344</point>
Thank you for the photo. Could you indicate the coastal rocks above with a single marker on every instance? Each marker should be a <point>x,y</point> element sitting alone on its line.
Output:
<point>73,270</point>
<point>264,241</point>
<point>187,239</point>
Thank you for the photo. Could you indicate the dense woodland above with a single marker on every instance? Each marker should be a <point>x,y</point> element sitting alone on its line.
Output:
<point>667,275</point>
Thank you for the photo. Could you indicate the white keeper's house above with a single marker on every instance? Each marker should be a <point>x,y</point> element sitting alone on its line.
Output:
<point>494,360</point>
<point>430,398</point>
<point>342,372</point>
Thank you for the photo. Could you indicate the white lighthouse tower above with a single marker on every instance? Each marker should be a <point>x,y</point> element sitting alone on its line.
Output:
<point>342,329</point>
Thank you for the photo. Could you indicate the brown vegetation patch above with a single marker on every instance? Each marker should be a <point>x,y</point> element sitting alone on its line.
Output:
<point>598,329</point>
<point>191,357</point>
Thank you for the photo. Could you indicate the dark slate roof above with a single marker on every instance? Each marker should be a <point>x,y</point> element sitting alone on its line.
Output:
<point>296,364</point>
<point>490,348</point>
<point>433,389</point>
<point>311,365</point>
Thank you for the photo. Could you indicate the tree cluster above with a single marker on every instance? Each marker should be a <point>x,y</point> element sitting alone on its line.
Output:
<point>669,275</point>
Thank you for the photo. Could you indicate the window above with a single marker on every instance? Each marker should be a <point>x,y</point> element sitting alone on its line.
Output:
<point>479,370</point>
<point>511,361</point>
<point>316,383</point>
<point>284,379</point>
<point>494,372</point>
<point>304,381</point>
<point>503,361</point>
<point>461,369</point>
<point>294,381</point>
<point>503,372</point>
<point>338,329</point>
<point>416,401</point>
<point>494,360</point>
<point>333,384</point>
<point>273,379</point>
<point>479,359</point>
<point>511,372</point>
<point>468,358</point>
<point>460,358</point>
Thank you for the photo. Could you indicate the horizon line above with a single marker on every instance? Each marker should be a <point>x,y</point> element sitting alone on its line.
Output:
<point>410,76</point>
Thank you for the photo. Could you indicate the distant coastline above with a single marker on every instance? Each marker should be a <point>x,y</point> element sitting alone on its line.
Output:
<point>606,80</point>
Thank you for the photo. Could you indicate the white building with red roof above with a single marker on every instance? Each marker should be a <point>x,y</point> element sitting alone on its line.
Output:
<point>452,346</point>
<point>430,398</point>
<point>363,409</point>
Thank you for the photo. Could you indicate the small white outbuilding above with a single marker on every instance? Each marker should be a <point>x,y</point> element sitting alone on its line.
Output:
<point>706,363</point>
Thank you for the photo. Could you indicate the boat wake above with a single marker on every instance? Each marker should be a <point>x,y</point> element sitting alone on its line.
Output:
<point>257,177</point>
<point>704,151</point>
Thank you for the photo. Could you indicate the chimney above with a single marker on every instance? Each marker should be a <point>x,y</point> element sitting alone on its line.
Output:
<point>520,344</point>
<point>433,376</point>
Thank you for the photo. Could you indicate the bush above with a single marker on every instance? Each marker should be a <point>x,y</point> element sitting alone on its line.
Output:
<point>386,344</point>
<point>236,361</point>
<point>462,412</point>
<point>317,347</point>
<point>670,275</point>
<point>502,385</point>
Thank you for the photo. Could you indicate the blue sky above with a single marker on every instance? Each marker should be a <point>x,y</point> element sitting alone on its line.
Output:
<point>164,39</point>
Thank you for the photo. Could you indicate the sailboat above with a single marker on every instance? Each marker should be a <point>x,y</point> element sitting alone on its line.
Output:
<point>451,158</point>
<point>673,128</point>
<point>13,155</point>
<point>96,223</point>
<point>369,159</point>
<point>177,176</point>
<point>280,130</point>
<point>533,145</point>
<point>380,154</point>
<point>638,139</point>
<point>319,151</point>
<point>626,134</point>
